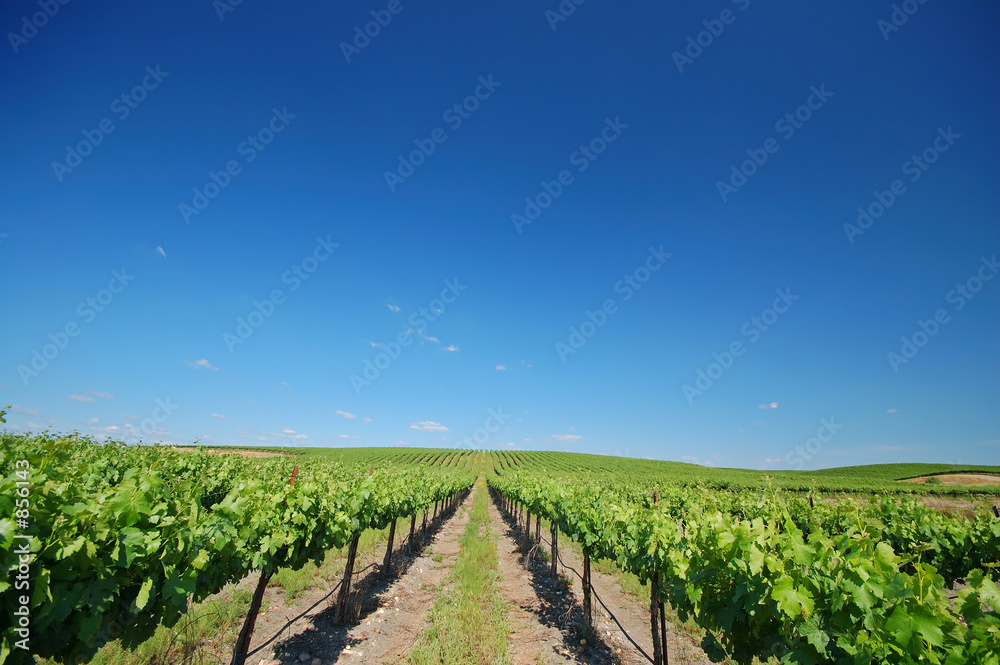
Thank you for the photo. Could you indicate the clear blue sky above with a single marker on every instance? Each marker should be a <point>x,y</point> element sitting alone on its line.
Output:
<point>636,147</point>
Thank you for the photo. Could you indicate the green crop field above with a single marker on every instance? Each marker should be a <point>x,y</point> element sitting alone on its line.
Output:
<point>761,567</point>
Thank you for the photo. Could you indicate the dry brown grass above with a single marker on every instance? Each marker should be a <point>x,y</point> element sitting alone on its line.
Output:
<point>223,451</point>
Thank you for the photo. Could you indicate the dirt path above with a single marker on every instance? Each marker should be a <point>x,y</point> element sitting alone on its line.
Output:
<point>547,617</point>
<point>393,611</point>
<point>541,618</point>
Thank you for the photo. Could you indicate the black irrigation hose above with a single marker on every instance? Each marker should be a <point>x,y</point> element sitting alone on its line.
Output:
<point>610,614</point>
<point>594,591</point>
<point>311,608</point>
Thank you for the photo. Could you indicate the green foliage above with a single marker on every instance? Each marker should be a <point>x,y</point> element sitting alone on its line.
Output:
<point>124,537</point>
<point>767,575</point>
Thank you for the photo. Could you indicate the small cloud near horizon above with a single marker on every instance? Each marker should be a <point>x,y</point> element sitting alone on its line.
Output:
<point>349,416</point>
<point>567,438</point>
<point>219,416</point>
<point>772,405</point>
<point>23,411</point>
<point>202,364</point>
<point>81,398</point>
<point>501,368</point>
<point>429,426</point>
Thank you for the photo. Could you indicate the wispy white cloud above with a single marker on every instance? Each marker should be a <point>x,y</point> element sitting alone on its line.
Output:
<point>129,416</point>
<point>400,443</point>
<point>103,395</point>
<point>92,421</point>
<point>429,426</point>
<point>772,405</point>
<point>691,459</point>
<point>348,436</point>
<point>219,416</point>
<point>23,411</point>
<point>501,368</point>
<point>202,364</point>
<point>287,433</point>
<point>392,308</point>
<point>893,411</point>
<point>81,398</point>
<point>349,416</point>
<point>567,438</point>
<point>450,347</point>
<point>368,420</point>
<point>161,252</point>
<point>284,384</point>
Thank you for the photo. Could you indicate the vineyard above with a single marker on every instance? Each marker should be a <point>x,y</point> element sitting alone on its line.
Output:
<point>837,566</point>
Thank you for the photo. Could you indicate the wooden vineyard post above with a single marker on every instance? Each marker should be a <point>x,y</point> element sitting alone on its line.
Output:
<point>996,513</point>
<point>538,529</point>
<point>588,617</point>
<point>555,551</point>
<point>413,524</point>
<point>656,619</point>
<point>246,633</point>
<point>345,585</point>
<point>663,634</point>
<point>435,511</point>
<point>388,550</point>
<point>423,528</point>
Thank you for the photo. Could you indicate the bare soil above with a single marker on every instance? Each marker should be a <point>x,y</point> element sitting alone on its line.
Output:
<point>967,479</point>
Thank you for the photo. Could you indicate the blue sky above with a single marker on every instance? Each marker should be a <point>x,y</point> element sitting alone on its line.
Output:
<point>573,224</point>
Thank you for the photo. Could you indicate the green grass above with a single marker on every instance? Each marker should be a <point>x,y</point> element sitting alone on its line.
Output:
<point>469,624</point>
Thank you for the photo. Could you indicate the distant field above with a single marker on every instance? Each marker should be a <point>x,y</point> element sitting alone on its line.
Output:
<point>865,478</point>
